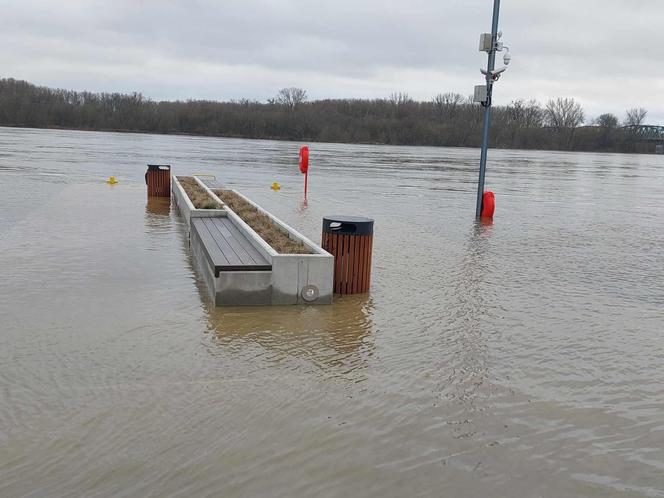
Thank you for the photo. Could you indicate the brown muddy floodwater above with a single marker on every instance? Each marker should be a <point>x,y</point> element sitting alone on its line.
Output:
<point>521,359</point>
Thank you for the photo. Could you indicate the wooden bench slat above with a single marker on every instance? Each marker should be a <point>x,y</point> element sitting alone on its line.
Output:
<point>243,244</point>
<point>233,240</point>
<point>214,253</point>
<point>223,244</point>
<point>246,243</point>
<point>222,249</point>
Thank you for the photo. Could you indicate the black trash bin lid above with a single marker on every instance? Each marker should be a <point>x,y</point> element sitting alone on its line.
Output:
<point>348,225</point>
<point>155,167</point>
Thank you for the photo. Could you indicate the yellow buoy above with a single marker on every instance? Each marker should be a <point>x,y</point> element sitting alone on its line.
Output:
<point>275,186</point>
<point>111,180</point>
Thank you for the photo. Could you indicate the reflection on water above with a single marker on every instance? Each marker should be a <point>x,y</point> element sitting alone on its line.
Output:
<point>158,222</point>
<point>465,373</point>
<point>304,204</point>
<point>157,207</point>
<point>336,339</point>
<point>516,358</point>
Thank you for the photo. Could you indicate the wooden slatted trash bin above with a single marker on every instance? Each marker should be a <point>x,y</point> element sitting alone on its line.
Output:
<point>350,240</point>
<point>158,180</point>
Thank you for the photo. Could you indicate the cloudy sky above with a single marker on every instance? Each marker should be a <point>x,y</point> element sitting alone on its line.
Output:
<point>605,53</point>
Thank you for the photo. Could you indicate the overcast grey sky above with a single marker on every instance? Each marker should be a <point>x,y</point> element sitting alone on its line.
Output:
<point>605,53</point>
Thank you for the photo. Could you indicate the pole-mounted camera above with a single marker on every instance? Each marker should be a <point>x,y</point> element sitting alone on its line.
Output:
<point>482,93</point>
<point>491,44</point>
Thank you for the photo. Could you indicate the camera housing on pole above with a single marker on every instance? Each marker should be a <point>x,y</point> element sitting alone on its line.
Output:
<point>480,94</point>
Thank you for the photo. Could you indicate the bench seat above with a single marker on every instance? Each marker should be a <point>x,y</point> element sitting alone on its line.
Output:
<point>227,248</point>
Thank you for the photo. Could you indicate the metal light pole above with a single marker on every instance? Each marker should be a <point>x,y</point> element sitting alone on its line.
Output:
<point>488,43</point>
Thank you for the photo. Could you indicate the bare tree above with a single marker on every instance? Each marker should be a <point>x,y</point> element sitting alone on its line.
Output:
<point>399,101</point>
<point>607,124</point>
<point>291,97</point>
<point>519,119</point>
<point>524,114</point>
<point>447,104</point>
<point>635,116</point>
<point>399,98</point>
<point>564,115</point>
<point>244,102</point>
<point>606,120</point>
<point>448,99</point>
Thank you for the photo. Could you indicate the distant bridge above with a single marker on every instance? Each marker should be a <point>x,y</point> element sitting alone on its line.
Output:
<point>646,132</point>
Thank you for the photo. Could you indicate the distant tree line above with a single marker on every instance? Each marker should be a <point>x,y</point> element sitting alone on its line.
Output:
<point>449,119</point>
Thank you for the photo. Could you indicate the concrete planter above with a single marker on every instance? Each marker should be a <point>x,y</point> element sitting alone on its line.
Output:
<point>292,273</point>
<point>291,279</point>
<point>187,209</point>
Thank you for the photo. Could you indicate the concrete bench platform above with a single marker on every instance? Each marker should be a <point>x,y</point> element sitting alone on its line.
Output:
<point>226,248</point>
<point>240,268</point>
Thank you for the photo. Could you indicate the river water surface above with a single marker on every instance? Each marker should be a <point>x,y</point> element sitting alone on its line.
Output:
<point>519,359</point>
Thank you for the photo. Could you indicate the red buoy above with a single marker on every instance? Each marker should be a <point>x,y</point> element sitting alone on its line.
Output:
<point>304,159</point>
<point>488,204</point>
<point>304,167</point>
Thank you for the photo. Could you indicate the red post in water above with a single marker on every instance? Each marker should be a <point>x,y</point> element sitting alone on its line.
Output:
<point>304,166</point>
<point>488,204</point>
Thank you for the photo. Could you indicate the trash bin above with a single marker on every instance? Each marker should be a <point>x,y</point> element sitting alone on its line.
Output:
<point>350,240</point>
<point>158,180</point>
